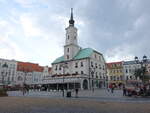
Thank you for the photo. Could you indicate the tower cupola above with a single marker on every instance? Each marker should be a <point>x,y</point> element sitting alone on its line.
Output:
<point>71,21</point>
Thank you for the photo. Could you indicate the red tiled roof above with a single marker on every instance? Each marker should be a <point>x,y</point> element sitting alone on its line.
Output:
<point>29,67</point>
<point>109,65</point>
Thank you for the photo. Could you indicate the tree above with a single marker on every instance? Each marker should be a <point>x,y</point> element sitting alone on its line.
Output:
<point>140,72</point>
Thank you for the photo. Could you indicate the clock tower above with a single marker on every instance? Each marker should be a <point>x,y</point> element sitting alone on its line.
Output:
<point>71,47</point>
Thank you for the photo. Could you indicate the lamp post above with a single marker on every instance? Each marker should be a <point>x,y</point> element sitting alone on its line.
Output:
<point>24,82</point>
<point>64,65</point>
<point>92,71</point>
<point>143,66</point>
<point>2,74</point>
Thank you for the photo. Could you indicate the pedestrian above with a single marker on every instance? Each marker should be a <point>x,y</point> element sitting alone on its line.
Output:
<point>112,89</point>
<point>124,90</point>
<point>76,90</point>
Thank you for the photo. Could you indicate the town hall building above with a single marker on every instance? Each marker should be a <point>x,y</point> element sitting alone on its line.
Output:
<point>78,67</point>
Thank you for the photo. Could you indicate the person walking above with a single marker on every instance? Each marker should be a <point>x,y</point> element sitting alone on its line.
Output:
<point>124,90</point>
<point>76,90</point>
<point>112,89</point>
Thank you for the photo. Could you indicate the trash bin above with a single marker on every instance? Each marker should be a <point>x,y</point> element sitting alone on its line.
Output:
<point>68,94</point>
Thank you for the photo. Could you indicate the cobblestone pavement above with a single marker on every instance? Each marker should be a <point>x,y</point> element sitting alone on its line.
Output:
<point>67,105</point>
<point>98,95</point>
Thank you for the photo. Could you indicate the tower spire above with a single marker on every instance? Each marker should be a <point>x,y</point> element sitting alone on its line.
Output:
<point>71,21</point>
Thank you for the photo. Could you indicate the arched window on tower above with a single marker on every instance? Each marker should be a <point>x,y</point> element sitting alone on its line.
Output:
<point>67,56</point>
<point>68,37</point>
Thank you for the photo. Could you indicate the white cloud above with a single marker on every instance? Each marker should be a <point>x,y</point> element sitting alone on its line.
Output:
<point>119,53</point>
<point>28,23</point>
<point>26,3</point>
<point>8,48</point>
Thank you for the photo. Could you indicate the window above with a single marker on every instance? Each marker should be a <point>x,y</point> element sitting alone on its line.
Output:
<point>96,65</point>
<point>59,67</point>
<point>76,72</point>
<point>95,56</point>
<point>67,56</point>
<point>81,64</point>
<point>56,67</point>
<point>117,78</point>
<point>111,78</point>
<point>99,73</point>
<point>121,78</point>
<point>100,58</point>
<point>68,37</point>
<point>76,64</point>
<point>99,66</point>
<point>114,78</point>
<point>96,73</point>
<point>129,70</point>
<point>126,70</point>
<point>82,72</point>
<point>91,64</point>
<point>114,71</point>
<point>103,67</point>
<point>67,49</point>
<point>120,71</point>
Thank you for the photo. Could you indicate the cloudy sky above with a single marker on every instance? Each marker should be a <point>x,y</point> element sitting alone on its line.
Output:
<point>34,30</point>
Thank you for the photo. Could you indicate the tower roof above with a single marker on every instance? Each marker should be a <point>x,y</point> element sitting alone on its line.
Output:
<point>71,21</point>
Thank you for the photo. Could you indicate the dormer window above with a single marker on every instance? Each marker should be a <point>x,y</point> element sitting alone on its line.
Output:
<point>76,65</point>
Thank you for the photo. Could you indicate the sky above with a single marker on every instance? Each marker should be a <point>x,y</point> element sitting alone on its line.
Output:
<point>34,30</point>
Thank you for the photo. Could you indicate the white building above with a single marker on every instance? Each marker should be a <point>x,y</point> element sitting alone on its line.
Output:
<point>31,73</point>
<point>129,68</point>
<point>82,68</point>
<point>7,71</point>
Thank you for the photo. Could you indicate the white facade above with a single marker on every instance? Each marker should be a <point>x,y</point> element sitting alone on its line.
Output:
<point>7,71</point>
<point>129,68</point>
<point>32,77</point>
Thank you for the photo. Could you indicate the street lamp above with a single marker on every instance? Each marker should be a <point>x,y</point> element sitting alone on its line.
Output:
<point>4,73</point>
<point>64,65</point>
<point>92,71</point>
<point>25,74</point>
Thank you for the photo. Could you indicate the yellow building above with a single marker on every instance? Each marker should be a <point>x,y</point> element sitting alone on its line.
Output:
<point>115,73</point>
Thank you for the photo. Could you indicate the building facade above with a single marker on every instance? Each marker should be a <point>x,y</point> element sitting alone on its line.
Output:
<point>82,68</point>
<point>129,68</point>
<point>31,73</point>
<point>7,71</point>
<point>115,73</point>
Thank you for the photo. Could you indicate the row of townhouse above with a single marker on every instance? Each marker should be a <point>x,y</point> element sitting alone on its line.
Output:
<point>124,71</point>
<point>18,73</point>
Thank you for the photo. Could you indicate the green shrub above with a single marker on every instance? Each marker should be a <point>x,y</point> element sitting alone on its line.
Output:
<point>3,93</point>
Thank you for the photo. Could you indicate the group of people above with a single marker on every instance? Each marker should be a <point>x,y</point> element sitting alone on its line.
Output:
<point>111,88</point>
<point>25,89</point>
